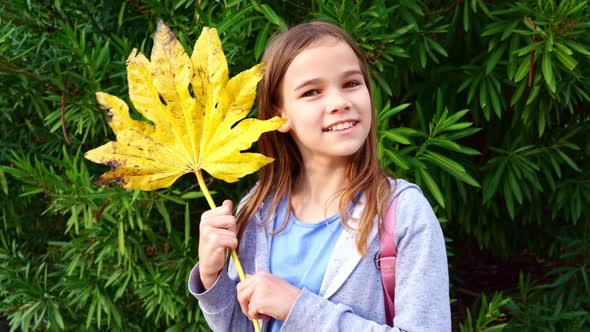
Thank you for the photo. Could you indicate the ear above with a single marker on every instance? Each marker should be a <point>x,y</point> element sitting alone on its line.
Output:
<point>287,126</point>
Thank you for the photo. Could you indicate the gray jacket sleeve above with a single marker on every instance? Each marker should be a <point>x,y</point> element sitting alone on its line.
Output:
<point>422,283</point>
<point>219,303</point>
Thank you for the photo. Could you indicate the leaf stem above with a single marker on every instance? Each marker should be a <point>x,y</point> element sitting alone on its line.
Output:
<point>204,189</point>
<point>234,254</point>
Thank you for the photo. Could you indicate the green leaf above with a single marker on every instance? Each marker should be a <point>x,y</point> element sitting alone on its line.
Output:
<point>432,187</point>
<point>509,200</point>
<point>270,14</point>
<point>518,93</point>
<point>556,166</point>
<point>192,195</point>
<point>515,186</point>
<point>493,28</point>
<point>30,190</point>
<point>541,122</point>
<point>164,213</point>
<point>466,16</point>
<point>565,59</point>
<point>386,113</point>
<point>402,31</point>
<point>522,70</point>
<point>473,86</point>
<point>451,167</point>
<point>233,20</point>
<point>3,182</point>
<point>261,41</point>
<point>489,188</point>
<point>533,94</point>
<point>450,145</point>
<point>578,48</point>
<point>458,126</point>
<point>495,99</point>
<point>509,29</point>
<point>382,83</point>
<point>548,72</point>
<point>462,133</point>
<point>494,58</point>
<point>528,49</point>
<point>512,58</point>
<point>465,84</point>
<point>568,160</point>
<point>437,47</point>
<point>121,238</point>
<point>562,48</point>
<point>422,56</point>
<point>392,135</point>
<point>483,94</point>
<point>397,160</point>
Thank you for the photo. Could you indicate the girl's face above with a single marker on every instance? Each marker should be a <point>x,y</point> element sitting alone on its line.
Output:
<point>326,101</point>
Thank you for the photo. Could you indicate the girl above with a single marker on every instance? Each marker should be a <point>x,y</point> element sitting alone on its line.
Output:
<point>308,231</point>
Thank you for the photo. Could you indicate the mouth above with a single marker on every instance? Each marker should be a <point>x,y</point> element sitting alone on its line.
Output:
<point>341,126</point>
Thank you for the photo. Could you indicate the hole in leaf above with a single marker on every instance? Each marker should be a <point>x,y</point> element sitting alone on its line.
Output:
<point>162,100</point>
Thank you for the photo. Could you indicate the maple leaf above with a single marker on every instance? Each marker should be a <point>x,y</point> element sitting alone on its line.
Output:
<point>192,129</point>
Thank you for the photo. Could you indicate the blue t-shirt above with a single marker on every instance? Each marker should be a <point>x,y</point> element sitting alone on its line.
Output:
<point>300,253</point>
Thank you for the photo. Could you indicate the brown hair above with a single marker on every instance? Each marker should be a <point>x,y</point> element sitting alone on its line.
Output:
<point>363,171</point>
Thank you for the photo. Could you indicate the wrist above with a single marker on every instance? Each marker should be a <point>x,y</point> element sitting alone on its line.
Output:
<point>291,299</point>
<point>208,279</point>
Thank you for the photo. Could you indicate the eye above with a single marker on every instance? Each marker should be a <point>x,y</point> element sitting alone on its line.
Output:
<point>352,84</point>
<point>311,93</point>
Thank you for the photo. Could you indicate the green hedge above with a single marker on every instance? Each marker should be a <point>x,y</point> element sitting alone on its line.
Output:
<point>484,104</point>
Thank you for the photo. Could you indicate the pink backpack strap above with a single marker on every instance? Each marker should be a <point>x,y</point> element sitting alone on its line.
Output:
<point>387,257</point>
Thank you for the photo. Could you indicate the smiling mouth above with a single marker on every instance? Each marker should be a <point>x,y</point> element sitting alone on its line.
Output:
<point>341,126</point>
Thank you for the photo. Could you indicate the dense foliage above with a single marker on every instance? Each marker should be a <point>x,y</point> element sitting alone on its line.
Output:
<point>485,104</point>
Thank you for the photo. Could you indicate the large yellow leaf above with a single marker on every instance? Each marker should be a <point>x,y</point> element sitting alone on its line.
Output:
<point>190,131</point>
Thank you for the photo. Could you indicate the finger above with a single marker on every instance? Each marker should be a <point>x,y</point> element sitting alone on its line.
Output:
<point>254,309</point>
<point>221,238</point>
<point>244,293</point>
<point>244,283</point>
<point>223,221</point>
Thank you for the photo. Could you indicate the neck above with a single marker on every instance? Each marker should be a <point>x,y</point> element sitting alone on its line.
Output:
<point>314,191</point>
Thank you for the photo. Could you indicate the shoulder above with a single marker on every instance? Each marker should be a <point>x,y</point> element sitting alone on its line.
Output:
<point>408,194</point>
<point>413,212</point>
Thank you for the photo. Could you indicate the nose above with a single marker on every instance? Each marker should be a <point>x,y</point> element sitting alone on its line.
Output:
<point>338,102</point>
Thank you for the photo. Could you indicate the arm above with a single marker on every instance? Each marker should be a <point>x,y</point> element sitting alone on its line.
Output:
<point>421,295</point>
<point>422,278</point>
<point>209,280</point>
<point>219,303</point>
<point>311,310</point>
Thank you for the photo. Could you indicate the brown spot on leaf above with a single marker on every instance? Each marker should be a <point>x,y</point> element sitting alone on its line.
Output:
<point>110,116</point>
<point>113,163</point>
<point>119,180</point>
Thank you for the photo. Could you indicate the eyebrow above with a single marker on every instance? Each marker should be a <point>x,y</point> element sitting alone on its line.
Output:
<point>316,80</point>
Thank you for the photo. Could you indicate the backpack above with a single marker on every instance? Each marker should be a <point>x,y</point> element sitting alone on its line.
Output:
<point>386,261</point>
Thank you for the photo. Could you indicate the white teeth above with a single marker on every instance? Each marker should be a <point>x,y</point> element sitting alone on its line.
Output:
<point>341,126</point>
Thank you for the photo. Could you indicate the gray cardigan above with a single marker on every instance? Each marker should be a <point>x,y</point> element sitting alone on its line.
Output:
<point>351,295</point>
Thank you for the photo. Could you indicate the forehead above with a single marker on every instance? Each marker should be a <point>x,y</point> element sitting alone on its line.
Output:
<point>326,57</point>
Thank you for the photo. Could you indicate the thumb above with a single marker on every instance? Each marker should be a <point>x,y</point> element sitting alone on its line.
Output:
<point>228,204</point>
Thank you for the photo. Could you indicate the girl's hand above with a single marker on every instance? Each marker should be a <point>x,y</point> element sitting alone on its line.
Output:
<point>264,294</point>
<point>217,233</point>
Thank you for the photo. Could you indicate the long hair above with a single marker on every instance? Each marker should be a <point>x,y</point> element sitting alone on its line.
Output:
<point>276,179</point>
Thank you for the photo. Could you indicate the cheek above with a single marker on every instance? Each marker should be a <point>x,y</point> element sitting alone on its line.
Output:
<point>365,101</point>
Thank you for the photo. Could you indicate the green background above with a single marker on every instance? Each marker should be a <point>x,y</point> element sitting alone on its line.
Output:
<point>484,104</point>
